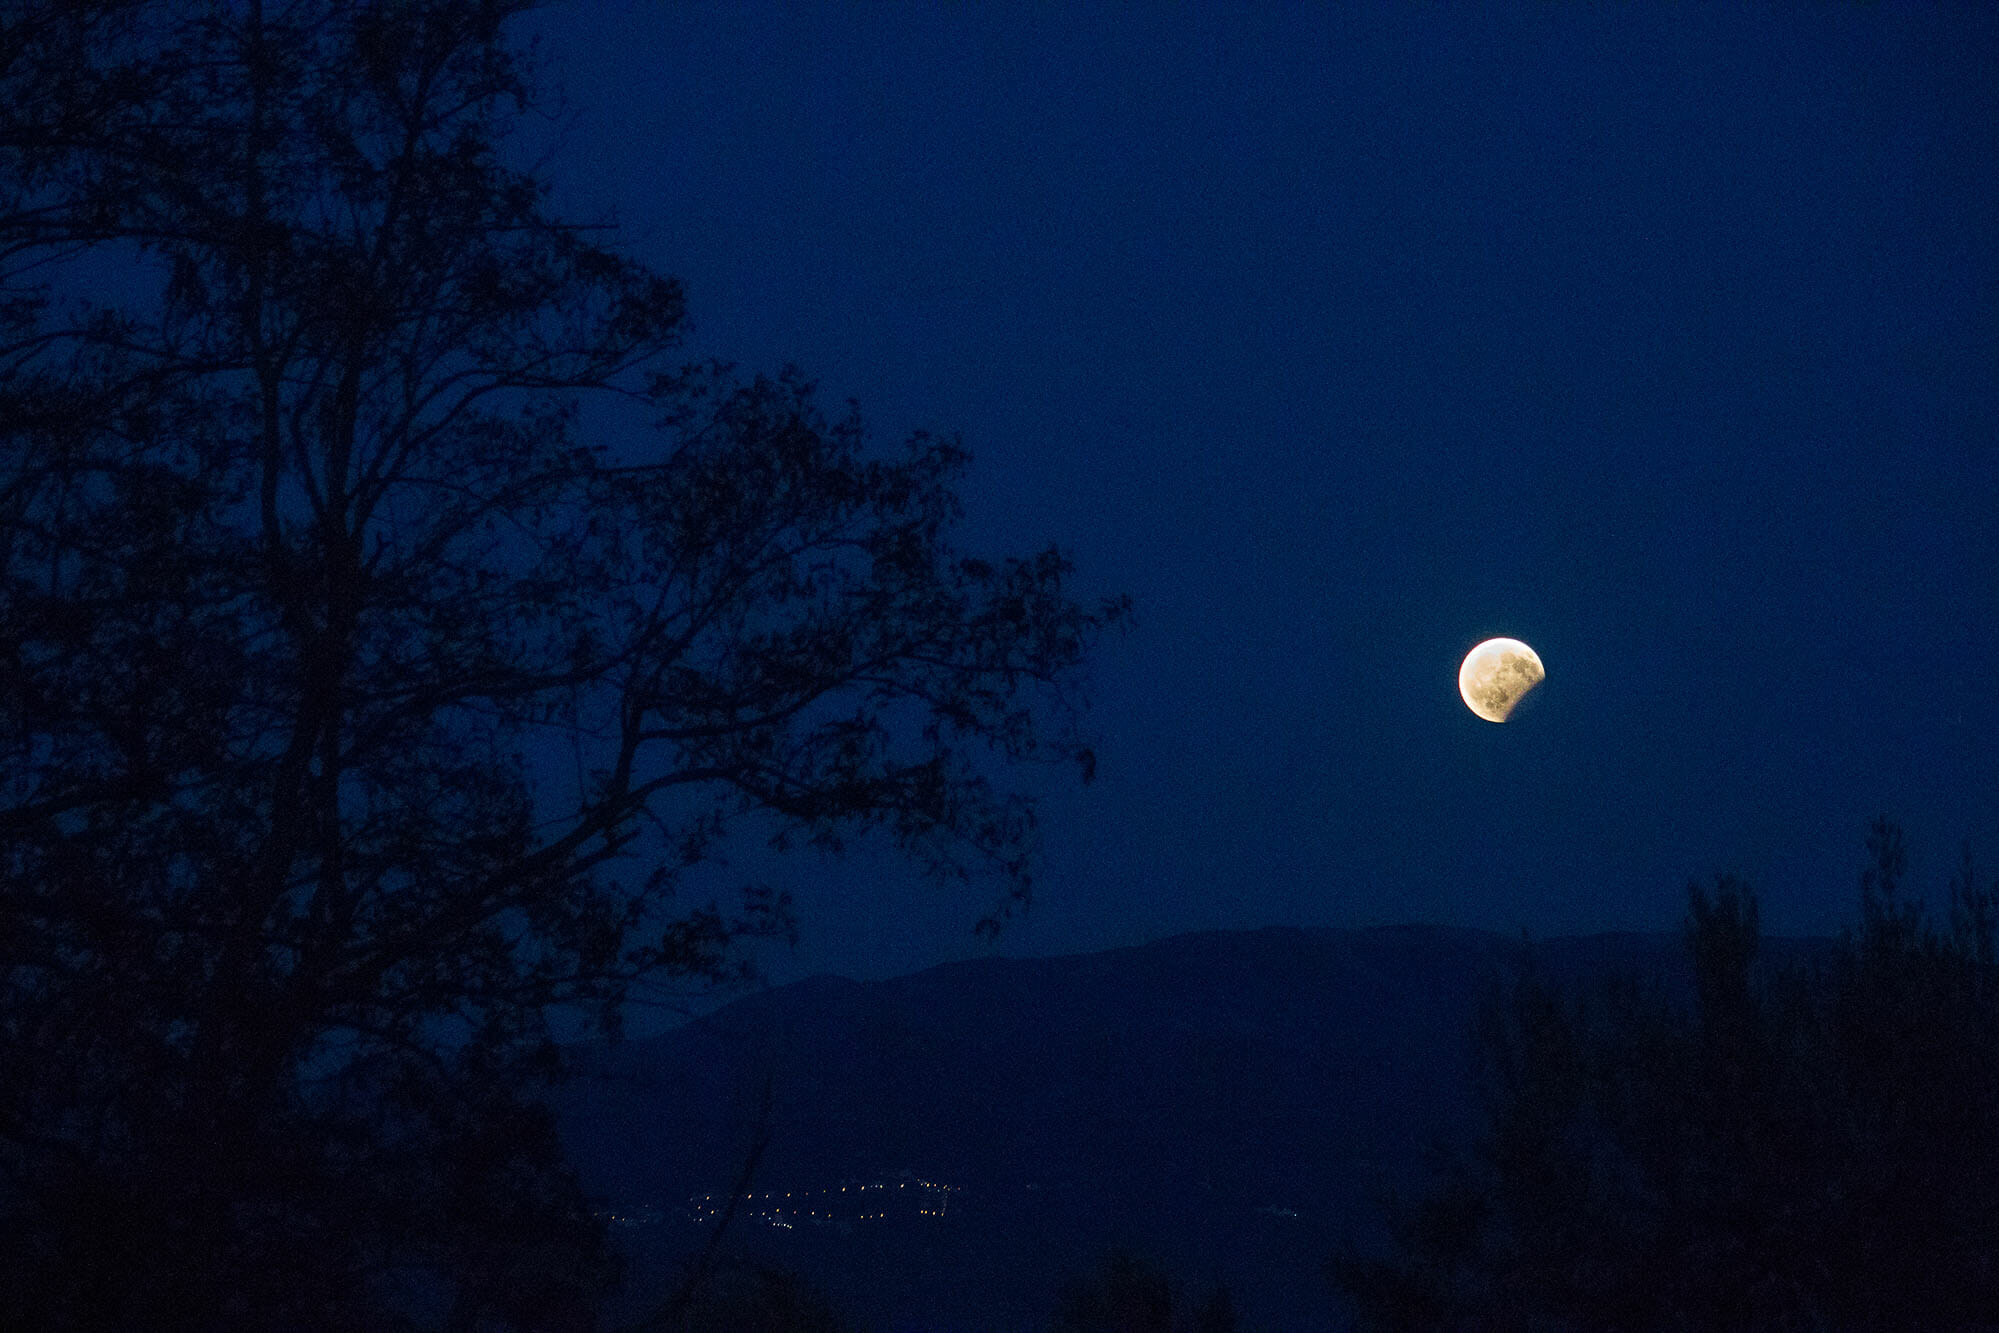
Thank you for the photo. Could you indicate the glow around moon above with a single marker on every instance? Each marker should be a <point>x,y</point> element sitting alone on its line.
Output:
<point>1497,675</point>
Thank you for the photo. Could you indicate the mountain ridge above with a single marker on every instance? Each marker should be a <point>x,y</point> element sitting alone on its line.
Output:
<point>1228,1101</point>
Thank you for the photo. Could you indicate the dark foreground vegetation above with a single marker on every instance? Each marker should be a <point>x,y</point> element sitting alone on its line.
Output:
<point>362,708</point>
<point>1807,1147</point>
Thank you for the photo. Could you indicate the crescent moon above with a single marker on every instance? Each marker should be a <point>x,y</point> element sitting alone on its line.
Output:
<point>1497,675</point>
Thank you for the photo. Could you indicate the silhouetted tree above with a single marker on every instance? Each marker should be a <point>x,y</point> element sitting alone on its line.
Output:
<point>360,704</point>
<point>749,1297</point>
<point>1123,1294</point>
<point>1216,1314</point>
<point>1128,1294</point>
<point>1812,1147</point>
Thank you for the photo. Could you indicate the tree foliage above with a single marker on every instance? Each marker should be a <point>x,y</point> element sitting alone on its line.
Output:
<point>1125,1293</point>
<point>755,1298</point>
<point>389,627</point>
<point>1813,1146</point>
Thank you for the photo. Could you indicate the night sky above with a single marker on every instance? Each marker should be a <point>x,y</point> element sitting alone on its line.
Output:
<point>1665,338</point>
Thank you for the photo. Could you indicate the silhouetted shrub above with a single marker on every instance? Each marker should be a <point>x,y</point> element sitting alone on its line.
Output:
<point>1128,1294</point>
<point>1810,1147</point>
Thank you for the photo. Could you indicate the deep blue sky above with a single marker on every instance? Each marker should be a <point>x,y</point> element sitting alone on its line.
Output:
<point>1663,337</point>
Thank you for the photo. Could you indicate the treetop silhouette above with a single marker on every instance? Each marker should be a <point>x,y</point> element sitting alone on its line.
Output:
<point>1811,1146</point>
<point>362,704</point>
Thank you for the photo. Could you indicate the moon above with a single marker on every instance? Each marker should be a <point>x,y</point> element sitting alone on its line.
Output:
<point>1496,675</point>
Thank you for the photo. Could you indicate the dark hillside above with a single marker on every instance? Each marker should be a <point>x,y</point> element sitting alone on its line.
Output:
<point>1226,1101</point>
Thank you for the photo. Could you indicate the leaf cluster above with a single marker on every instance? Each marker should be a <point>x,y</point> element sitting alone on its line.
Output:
<point>1808,1146</point>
